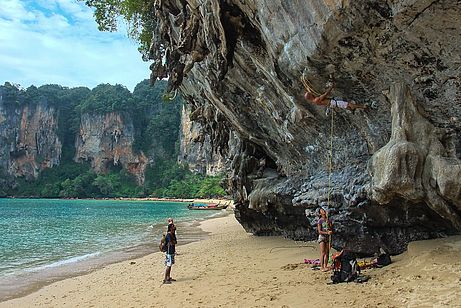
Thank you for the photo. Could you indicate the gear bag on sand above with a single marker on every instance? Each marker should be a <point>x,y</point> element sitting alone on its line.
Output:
<point>345,267</point>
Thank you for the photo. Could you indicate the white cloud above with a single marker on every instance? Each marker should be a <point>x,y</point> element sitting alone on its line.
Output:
<point>50,24</point>
<point>44,42</point>
<point>77,10</point>
<point>14,10</point>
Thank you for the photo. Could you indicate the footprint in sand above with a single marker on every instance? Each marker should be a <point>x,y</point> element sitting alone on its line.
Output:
<point>290,267</point>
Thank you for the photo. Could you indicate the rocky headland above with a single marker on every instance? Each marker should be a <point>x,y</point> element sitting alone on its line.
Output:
<point>396,169</point>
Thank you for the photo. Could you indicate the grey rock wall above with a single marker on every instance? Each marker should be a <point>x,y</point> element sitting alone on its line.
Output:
<point>28,139</point>
<point>106,140</point>
<point>395,168</point>
<point>414,164</point>
<point>196,149</point>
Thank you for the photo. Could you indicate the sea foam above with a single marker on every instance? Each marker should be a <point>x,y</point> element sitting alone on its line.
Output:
<point>63,262</point>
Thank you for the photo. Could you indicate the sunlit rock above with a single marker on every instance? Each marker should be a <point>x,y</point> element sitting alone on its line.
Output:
<point>106,141</point>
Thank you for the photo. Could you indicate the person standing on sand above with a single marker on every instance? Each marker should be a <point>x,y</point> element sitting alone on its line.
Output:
<point>170,222</point>
<point>170,242</point>
<point>171,225</point>
<point>324,228</point>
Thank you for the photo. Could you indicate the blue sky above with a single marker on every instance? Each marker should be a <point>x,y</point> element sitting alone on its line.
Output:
<point>58,42</point>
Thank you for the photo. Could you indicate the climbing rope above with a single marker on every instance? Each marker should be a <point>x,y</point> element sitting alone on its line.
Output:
<point>330,167</point>
<point>308,86</point>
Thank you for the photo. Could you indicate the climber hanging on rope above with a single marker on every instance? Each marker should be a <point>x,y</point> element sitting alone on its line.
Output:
<point>323,100</point>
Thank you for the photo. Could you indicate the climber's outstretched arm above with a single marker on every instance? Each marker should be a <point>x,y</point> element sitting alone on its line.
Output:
<point>322,99</point>
<point>327,92</point>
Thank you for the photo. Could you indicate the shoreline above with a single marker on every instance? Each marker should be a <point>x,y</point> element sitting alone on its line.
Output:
<point>228,202</point>
<point>222,201</point>
<point>18,286</point>
<point>233,268</point>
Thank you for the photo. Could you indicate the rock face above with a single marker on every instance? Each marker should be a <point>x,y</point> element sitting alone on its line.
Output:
<point>395,169</point>
<point>36,122</point>
<point>415,164</point>
<point>28,139</point>
<point>106,141</point>
<point>196,149</point>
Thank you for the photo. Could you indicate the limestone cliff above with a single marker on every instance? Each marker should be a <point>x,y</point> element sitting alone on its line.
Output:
<point>106,141</point>
<point>196,149</point>
<point>395,169</point>
<point>28,138</point>
<point>52,125</point>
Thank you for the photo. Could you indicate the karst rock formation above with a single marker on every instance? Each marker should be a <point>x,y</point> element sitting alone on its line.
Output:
<point>107,140</point>
<point>396,170</point>
<point>30,143</point>
<point>28,140</point>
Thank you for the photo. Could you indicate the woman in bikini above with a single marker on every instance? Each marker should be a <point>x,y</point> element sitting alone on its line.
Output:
<point>324,228</point>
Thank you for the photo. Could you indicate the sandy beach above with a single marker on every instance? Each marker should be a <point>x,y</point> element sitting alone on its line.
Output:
<point>234,269</point>
<point>227,202</point>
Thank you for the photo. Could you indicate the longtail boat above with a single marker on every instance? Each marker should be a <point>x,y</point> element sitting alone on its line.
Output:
<point>204,206</point>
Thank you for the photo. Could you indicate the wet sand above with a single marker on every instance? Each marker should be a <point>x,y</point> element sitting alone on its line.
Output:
<point>234,269</point>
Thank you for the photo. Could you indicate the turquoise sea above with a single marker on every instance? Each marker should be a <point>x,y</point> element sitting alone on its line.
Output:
<point>45,240</point>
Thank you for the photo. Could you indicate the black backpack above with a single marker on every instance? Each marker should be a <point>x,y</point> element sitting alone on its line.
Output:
<point>345,267</point>
<point>383,260</point>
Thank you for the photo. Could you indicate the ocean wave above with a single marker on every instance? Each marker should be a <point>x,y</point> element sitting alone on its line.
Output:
<point>63,262</point>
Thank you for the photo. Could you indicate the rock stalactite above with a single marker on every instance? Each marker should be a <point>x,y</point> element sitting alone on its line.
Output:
<point>415,164</point>
<point>395,175</point>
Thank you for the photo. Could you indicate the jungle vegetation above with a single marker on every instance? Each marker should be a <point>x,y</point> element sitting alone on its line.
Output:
<point>156,127</point>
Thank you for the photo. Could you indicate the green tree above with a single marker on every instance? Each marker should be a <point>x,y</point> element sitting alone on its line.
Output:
<point>157,133</point>
<point>50,190</point>
<point>150,95</point>
<point>68,190</point>
<point>106,98</point>
<point>211,187</point>
<point>139,17</point>
<point>104,184</point>
<point>12,95</point>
